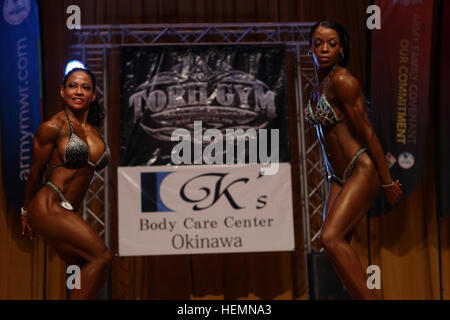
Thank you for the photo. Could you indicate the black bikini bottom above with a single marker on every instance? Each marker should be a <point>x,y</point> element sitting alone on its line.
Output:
<point>64,202</point>
<point>348,170</point>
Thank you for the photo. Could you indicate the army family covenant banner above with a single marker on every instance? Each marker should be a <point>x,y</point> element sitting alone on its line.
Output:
<point>444,114</point>
<point>400,77</point>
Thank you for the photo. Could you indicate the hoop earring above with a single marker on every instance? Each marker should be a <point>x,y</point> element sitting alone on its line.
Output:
<point>309,52</point>
<point>341,55</point>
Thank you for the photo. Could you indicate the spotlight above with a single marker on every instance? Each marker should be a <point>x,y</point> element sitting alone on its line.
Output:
<point>73,64</point>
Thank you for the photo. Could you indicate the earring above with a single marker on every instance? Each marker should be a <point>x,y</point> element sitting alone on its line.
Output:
<point>309,52</point>
<point>341,55</point>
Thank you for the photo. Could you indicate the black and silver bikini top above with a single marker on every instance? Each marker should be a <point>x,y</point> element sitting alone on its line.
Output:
<point>76,154</point>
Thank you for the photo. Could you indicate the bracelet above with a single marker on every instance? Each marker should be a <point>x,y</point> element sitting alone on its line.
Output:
<point>23,212</point>
<point>388,185</point>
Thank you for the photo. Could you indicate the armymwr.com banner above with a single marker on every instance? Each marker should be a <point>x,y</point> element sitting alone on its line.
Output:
<point>204,209</point>
<point>400,75</point>
<point>21,92</point>
<point>220,87</point>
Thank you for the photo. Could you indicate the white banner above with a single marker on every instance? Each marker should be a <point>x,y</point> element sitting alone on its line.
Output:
<point>204,209</point>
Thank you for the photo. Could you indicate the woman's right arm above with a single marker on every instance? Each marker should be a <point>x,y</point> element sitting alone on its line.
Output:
<point>44,142</point>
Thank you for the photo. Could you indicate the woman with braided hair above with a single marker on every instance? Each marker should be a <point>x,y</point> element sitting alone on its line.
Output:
<point>357,168</point>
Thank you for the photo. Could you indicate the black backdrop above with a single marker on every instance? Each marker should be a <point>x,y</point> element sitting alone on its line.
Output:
<point>225,86</point>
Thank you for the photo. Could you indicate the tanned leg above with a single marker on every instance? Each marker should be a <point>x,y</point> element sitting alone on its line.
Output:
<point>75,241</point>
<point>349,207</point>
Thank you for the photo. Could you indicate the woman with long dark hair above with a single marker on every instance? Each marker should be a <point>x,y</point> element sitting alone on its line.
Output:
<point>71,148</point>
<point>355,161</point>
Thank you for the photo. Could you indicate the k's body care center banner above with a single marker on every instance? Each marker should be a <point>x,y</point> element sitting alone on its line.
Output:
<point>204,209</point>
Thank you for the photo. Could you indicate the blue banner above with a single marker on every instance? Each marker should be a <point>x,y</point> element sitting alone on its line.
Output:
<point>20,101</point>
